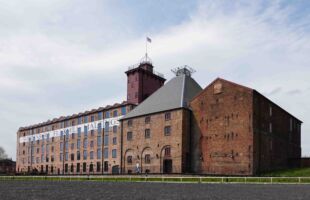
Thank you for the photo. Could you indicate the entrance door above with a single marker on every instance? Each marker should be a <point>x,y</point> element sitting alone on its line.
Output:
<point>115,169</point>
<point>167,166</point>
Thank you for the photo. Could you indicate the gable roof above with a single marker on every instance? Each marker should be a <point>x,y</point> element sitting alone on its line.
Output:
<point>177,93</point>
<point>246,88</point>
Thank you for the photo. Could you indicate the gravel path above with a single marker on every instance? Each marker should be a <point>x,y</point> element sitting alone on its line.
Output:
<point>42,190</point>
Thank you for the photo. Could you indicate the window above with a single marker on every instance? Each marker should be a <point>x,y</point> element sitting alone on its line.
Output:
<point>147,133</point>
<point>85,131</point>
<point>129,160</point>
<point>106,166</point>
<point>99,142</point>
<point>114,141</point>
<point>270,127</point>
<point>99,128</point>
<point>73,122</point>
<point>80,120</point>
<point>60,156</point>
<point>61,146</point>
<point>71,168</point>
<point>167,130</point>
<point>84,155</point>
<point>114,153</point>
<point>72,157</point>
<point>107,114</point>
<point>67,134</point>
<point>73,136</point>
<point>78,166</point>
<point>100,116</point>
<point>98,166</point>
<point>47,149</point>
<point>67,156</point>
<point>52,158</point>
<point>92,144</point>
<point>66,168</point>
<point>270,110</point>
<point>167,151</point>
<point>79,132</point>
<point>124,110</point>
<point>98,153</point>
<point>85,119</point>
<point>106,153</point>
<point>67,146</point>
<point>129,136</point>
<point>92,118</point>
<point>52,149</point>
<point>78,155</point>
<point>47,137</point>
<point>84,167</point>
<point>129,123</point>
<point>147,159</point>
<point>106,140</point>
<point>91,155</point>
<point>167,116</point>
<point>85,143</point>
<point>147,120</point>
<point>114,129</point>
<point>78,144</point>
<point>107,126</point>
<point>92,133</point>
<point>72,146</point>
<point>115,113</point>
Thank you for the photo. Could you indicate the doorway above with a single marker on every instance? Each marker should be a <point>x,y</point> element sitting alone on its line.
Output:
<point>167,166</point>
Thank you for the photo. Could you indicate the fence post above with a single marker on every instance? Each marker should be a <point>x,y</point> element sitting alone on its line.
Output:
<point>271,180</point>
<point>299,179</point>
<point>222,179</point>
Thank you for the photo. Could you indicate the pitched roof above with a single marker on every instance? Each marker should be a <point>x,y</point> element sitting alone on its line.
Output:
<point>177,93</point>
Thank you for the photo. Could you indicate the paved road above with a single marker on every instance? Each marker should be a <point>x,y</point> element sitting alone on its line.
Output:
<point>42,190</point>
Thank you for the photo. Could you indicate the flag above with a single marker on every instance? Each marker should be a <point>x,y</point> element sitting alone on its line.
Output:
<point>148,39</point>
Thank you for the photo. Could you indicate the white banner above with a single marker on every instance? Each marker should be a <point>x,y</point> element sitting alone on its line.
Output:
<point>72,129</point>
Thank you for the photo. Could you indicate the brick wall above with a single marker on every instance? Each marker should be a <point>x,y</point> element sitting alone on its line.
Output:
<point>155,146</point>
<point>222,140</point>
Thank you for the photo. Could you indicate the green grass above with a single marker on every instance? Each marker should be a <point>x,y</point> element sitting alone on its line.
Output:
<point>300,172</point>
<point>211,180</point>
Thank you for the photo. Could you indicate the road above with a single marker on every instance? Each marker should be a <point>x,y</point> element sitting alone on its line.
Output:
<point>42,190</point>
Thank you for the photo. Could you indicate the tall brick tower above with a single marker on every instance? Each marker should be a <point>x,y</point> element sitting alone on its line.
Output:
<point>142,81</point>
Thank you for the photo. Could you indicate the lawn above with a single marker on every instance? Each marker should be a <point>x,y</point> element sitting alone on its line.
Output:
<point>299,172</point>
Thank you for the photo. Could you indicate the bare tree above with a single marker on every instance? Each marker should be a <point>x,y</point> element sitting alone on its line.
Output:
<point>2,153</point>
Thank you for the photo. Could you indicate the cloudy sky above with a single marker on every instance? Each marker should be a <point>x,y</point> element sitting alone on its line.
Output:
<point>65,56</point>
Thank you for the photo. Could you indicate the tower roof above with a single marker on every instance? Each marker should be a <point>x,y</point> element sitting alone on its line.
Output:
<point>175,94</point>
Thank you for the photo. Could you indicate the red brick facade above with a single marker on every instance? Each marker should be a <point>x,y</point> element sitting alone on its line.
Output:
<point>237,131</point>
<point>142,82</point>
<point>150,141</point>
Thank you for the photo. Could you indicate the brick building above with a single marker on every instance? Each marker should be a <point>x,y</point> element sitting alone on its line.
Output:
<point>238,131</point>
<point>156,134</point>
<point>7,166</point>
<point>175,127</point>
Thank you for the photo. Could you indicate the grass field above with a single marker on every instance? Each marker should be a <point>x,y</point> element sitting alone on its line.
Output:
<point>303,172</point>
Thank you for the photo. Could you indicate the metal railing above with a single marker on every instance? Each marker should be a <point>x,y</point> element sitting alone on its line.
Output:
<point>162,178</point>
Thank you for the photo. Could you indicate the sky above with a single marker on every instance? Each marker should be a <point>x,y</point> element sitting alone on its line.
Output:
<point>63,57</point>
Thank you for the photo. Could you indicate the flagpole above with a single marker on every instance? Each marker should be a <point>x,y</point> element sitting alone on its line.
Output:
<point>146,47</point>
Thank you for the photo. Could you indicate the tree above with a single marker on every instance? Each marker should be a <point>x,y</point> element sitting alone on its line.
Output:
<point>2,153</point>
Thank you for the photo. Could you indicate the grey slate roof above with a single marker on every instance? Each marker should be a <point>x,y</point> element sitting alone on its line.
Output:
<point>175,94</point>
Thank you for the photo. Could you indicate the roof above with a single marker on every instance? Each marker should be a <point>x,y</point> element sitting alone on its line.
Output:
<point>62,118</point>
<point>177,93</point>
